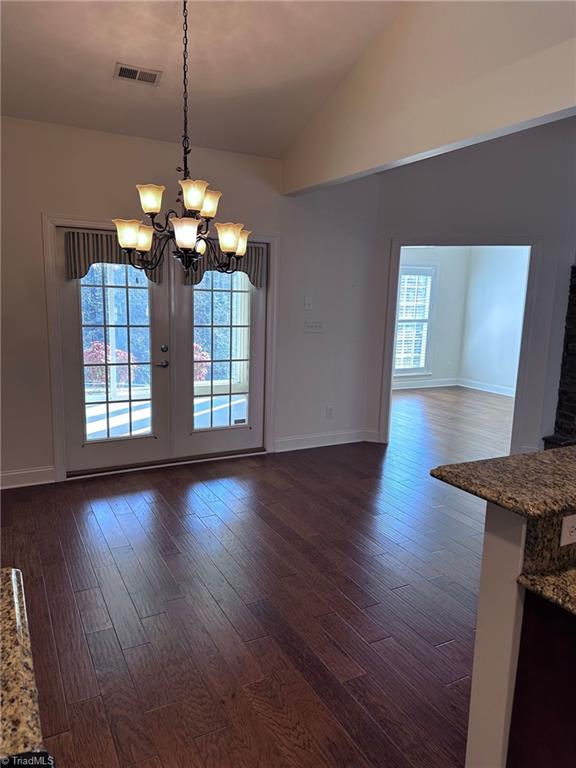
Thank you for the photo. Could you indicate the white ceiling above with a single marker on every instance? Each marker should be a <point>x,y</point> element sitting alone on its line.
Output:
<point>258,70</point>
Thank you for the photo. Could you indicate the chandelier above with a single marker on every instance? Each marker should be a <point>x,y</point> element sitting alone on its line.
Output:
<point>188,234</point>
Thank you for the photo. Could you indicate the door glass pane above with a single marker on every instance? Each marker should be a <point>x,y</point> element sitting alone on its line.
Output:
<point>222,301</point>
<point>115,306</point>
<point>221,411</point>
<point>119,419</point>
<point>140,344</point>
<point>96,421</point>
<point>221,314</point>
<point>114,274</point>
<point>240,343</point>
<point>139,306</point>
<point>92,304</point>
<point>118,386</point>
<point>93,344</point>
<point>203,308</point>
<point>221,378</point>
<point>221,343</point>
<point>202,413</point>
<point>141,417</point>
<point>115,311</point>
<point>140,379</point>
<point>116,344</point>
<point>94,276</point>
<point>239,378</point>
<point>239,409</point>
<point>202,343</point>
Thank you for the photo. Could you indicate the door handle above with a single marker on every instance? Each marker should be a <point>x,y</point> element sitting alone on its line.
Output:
<point>162,364</point>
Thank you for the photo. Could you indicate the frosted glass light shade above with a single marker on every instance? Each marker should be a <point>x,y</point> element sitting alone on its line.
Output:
<point>145,235</point>
<point>201,247</point>
<point>186,232</point>
<point>127,231</point>
<point>150,197</point>
<point>193,192</point>
<point>210,204</point>
<point>228,236</point>
<point>243,242</point>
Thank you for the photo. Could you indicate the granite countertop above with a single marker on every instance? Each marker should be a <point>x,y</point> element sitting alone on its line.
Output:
<point>529,484</point>
<point>559,587</point>
<point>20,723</point>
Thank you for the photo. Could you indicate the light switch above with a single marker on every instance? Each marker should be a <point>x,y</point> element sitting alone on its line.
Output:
<point>308,303</point>
<point>313,326</point>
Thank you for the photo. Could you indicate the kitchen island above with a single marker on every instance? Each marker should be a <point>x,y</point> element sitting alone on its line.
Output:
<point>528,496</point>
<point>20,732</point>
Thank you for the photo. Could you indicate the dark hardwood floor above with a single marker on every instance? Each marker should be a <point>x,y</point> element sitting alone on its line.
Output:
<point>313,608</point>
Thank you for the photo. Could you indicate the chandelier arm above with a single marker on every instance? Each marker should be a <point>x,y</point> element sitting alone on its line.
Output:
<point>213,253</point>
<point>161,228</point>
<point>160,248</point>
<point>130,252</point>
<point>157,255</point>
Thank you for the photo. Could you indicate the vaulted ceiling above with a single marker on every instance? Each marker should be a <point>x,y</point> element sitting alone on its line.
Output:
<point>258,70</point>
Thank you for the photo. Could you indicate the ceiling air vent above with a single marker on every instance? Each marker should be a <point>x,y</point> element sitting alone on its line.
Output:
<point>127,72</point>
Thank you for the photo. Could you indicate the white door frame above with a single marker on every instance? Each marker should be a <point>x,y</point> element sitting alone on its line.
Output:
<point>519,441</point>
<point>50,224</point>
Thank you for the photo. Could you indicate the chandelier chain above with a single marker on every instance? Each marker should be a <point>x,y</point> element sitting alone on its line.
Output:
<point>185,137</point>
<point>188,234</point>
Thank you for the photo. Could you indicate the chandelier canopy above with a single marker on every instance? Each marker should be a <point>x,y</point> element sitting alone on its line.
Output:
<point>187,234</point>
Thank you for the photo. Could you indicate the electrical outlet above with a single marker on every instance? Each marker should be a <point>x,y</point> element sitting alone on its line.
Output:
<point>568,535</point>
<point>329,412</point>
<point>313,326</point>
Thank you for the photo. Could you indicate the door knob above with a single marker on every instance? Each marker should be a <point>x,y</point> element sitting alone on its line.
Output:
<point>162,364</point>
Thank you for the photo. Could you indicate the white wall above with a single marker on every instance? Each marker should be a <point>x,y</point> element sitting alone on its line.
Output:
<point>444,74</point>
<point>69,172</point>
<point>447,314</point>
<point>330,255</point>
<point>512,190</point>
<point>494,313</point>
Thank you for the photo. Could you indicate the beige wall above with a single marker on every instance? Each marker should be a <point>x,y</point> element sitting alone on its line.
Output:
<point>70,172</point>
<point>335,244</point>
<point>443,74</point>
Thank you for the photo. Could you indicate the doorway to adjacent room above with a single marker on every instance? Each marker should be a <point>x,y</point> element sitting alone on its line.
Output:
<point>458,332</point>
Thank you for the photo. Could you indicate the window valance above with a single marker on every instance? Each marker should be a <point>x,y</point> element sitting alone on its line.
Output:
<point>84,248</point>
<point>253,263</point>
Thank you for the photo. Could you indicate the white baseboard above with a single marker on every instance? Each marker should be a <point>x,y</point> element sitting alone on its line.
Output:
<point>414,382</point>
<point>16,478</point>
<point>494,388</point>
<point>298,442</point>
<point>425,383</point>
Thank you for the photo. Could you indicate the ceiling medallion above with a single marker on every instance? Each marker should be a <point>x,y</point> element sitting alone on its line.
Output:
<point>187,234</point>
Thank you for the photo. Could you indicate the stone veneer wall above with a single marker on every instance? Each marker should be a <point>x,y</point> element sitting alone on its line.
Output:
<point>565,426</point>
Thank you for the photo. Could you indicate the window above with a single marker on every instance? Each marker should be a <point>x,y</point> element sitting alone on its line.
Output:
<point>221,350</point>
<point>114,303</point>
<point>411,352</point>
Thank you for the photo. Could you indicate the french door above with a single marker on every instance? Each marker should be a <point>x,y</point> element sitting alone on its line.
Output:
<point>218,372</point>
<point>160,371</point>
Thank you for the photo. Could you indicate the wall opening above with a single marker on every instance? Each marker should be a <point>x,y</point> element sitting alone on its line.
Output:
<point>458,332</point>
